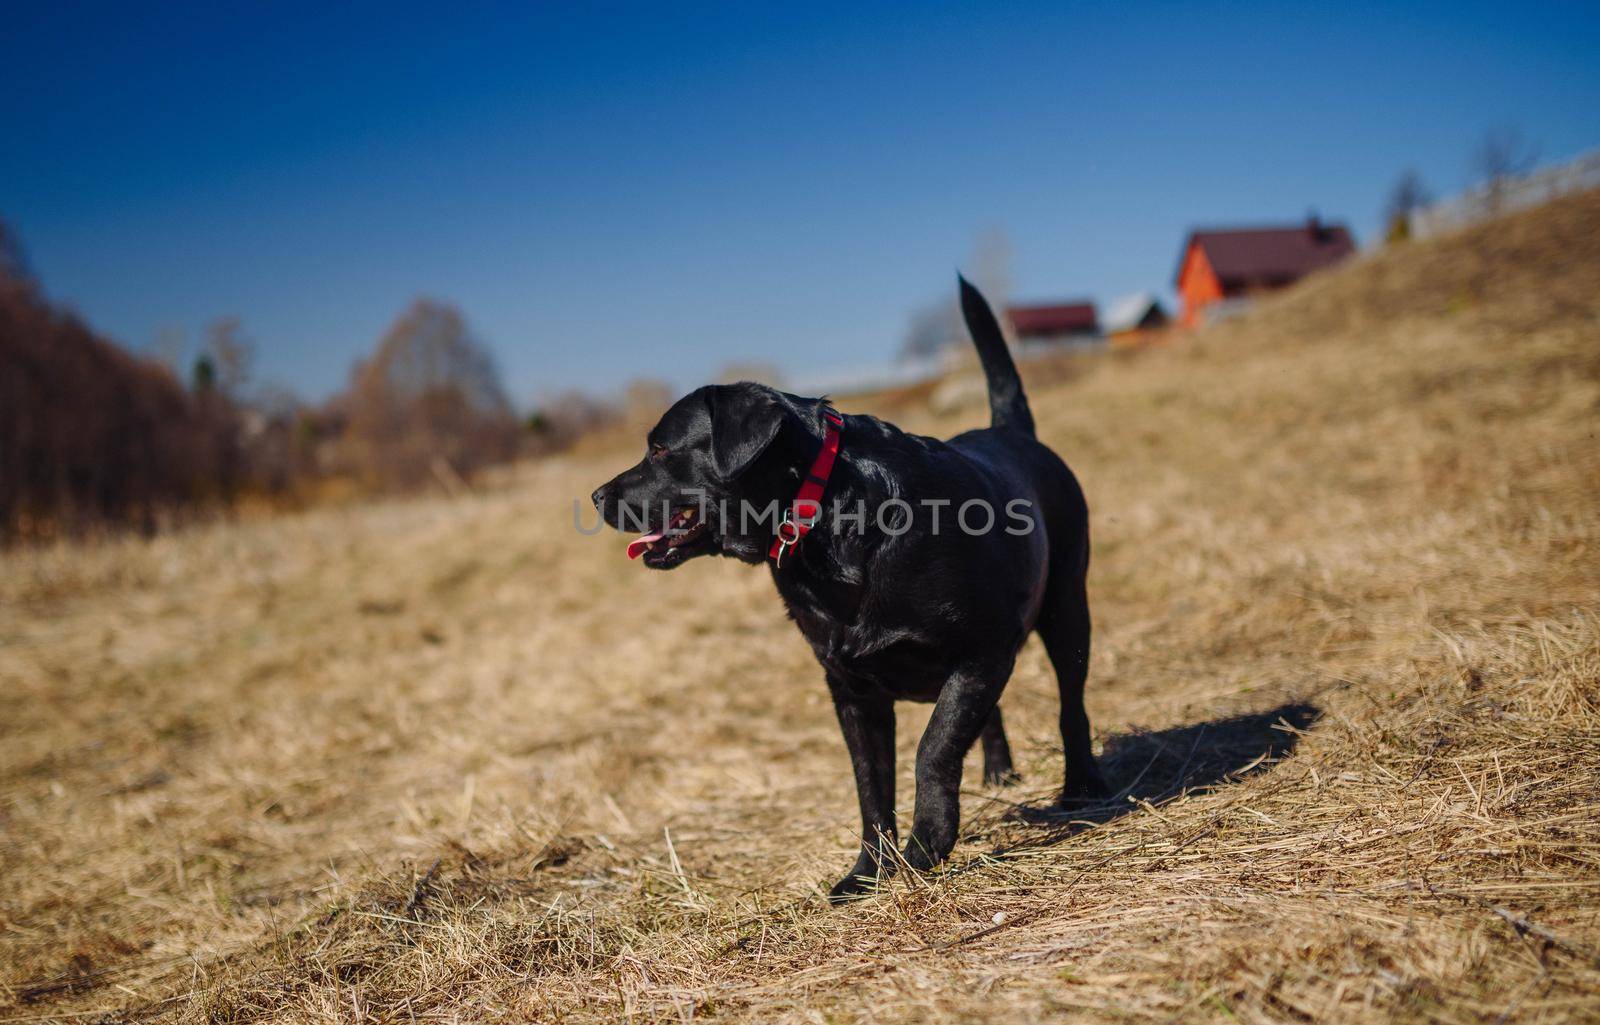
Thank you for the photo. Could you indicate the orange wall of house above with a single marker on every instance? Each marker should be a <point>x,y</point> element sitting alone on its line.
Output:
<point>1197,285</point>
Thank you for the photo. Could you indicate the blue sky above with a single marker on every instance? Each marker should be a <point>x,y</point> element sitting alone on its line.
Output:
<point>612,191</point>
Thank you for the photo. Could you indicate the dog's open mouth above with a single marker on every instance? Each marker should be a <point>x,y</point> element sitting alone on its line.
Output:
<point>684,527</point>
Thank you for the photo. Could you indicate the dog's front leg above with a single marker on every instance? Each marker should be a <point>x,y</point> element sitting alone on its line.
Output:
<point>959,716</point>
<point>867,722</point>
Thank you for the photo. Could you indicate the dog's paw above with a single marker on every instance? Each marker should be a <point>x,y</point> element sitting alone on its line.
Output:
<point>852,887</point>
<point>1001,777</point>
<point>924,854</point>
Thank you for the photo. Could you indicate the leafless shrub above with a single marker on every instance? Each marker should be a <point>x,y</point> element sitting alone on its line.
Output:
<point>568,416</point>
<point>279,437</point>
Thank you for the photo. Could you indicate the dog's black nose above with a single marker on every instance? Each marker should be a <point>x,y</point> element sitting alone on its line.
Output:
<point>599,496</point>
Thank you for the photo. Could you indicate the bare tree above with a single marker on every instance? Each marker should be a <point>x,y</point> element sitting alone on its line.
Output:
<point>1502,154</point>
<point>429,403</point>
<point>1408,195</point>
<point>938,326</point>
<point>931,330</point>
<point>231,355</point>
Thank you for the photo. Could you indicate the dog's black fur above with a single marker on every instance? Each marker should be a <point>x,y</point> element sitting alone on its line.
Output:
<point>929,615</point>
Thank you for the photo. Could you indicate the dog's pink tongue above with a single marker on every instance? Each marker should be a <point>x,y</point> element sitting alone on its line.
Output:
<point>638,545</point>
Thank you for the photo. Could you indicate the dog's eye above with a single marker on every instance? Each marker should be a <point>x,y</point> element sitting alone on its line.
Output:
<point>658,451</point>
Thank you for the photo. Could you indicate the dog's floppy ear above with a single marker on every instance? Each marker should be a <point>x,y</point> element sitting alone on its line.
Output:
<point>744,422</point>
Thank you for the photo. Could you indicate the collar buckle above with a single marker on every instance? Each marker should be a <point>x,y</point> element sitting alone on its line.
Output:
<point>788,536</point>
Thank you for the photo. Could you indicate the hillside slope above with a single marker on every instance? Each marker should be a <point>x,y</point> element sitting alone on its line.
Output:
<point>455,761</point>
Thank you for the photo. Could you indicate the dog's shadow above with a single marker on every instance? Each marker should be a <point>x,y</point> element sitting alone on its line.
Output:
<point>1149,767</point>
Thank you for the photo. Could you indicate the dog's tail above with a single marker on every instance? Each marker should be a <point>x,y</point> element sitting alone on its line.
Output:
<point>1008,406</point>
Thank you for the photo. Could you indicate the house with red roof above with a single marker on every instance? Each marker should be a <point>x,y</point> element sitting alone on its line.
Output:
<point>1221,267</point>
<point>1038,326</point>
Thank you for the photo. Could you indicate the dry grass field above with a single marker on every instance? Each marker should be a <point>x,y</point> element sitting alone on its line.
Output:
<point>449,760</point>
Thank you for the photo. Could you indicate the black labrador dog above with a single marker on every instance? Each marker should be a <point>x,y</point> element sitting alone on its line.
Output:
<point>925,565</point>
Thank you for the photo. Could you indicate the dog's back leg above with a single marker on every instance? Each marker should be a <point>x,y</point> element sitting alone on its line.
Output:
<point>1064,627</point>
<point>997,768</point>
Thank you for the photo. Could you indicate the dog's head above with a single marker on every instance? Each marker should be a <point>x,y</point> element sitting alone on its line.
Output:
<point>717,459</point>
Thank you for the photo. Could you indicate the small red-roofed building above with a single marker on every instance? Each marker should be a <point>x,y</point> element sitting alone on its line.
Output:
<point>1221,267</point>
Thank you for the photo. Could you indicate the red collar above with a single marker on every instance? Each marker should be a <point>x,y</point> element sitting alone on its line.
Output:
<point>797,522</point>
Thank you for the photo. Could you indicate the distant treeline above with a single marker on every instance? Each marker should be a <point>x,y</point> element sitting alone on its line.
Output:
<point>91,434</point>
<point>94,437</point>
